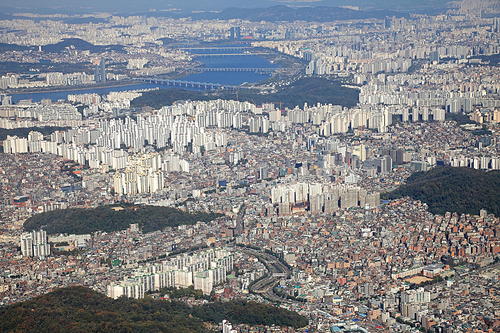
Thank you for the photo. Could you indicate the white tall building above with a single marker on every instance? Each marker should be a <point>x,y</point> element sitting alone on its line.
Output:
<point>15,145</point>
<point>227,327</point>
<point>35,244</point>
<point>415,296</point>
<point>27,245</point>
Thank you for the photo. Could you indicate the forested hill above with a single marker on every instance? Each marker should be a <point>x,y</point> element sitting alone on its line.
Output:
<point>79,309</point>
<point>113,218</point>
<point>448,189</point>
<point>310,90</point>
<point>23,132</point>
<point>251,313</point>
<point>77,43</point>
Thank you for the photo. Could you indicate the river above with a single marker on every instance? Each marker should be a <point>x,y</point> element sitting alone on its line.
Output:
<point>225,78</point>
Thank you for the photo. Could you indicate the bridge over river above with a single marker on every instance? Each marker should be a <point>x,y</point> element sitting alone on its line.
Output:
<point>236,69</point>
<point>215,48</point>
<point>187,84</point>
<point>225,55</point>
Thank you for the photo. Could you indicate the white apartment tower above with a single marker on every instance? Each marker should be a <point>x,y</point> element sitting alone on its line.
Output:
<point>35,244</point>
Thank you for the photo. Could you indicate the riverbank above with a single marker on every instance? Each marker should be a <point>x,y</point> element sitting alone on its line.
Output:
<point>231,77</point>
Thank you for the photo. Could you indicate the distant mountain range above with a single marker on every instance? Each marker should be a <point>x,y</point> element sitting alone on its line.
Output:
<point>322,12</point>
<point>289,14</point>
<point>186,8</point>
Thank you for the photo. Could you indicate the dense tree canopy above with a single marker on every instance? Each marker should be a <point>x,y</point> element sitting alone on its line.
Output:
<point>113,218</point>
<point>448,189</point>
<point>79,309</point>
<point>24,131</point>
<point>242,312</point>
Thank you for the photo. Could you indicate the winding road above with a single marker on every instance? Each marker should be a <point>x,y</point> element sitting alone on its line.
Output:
<point>276,271</point>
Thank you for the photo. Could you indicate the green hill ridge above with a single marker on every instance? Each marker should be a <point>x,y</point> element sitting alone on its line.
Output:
<point>448,189</point>
<point>114,218</point>
<point>80,309</point>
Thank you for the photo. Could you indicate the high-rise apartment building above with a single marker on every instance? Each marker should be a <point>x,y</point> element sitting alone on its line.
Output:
<point>235,33</point>
<point>496,24</point>
<point>35,244</point>
<point>100,71</point>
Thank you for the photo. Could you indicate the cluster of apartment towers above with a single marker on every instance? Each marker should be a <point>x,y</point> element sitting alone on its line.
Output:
<point>202,269</point>
<point>325,198</point>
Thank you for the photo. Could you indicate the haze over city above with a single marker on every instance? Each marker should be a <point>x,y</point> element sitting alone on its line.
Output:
<point>127,6</point>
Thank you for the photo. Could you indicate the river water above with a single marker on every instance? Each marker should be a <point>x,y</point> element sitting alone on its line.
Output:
<point>225,78</point>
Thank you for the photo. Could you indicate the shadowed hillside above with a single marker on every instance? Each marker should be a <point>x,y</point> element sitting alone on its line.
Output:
<point>448,189</point>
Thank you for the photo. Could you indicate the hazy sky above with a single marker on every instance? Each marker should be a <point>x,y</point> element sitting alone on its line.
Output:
<point>193,5</point>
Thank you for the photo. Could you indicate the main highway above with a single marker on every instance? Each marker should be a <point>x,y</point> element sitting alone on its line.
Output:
<point>276,271</point>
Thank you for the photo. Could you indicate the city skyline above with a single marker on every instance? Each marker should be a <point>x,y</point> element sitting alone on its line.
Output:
<point>337,163</point>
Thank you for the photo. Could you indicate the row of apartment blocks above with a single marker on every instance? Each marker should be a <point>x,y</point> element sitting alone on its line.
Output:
<point>327,203</point>
<point>43,112</point>
<point>483,162</point>
<point>319,198</point>
<point>202,269</point>
<point>173,124</point>
<point>440,99</point>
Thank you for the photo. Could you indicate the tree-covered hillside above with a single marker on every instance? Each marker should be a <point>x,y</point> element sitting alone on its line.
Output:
<point>252,313</point>
<point>79,309</point>
<point>448,189</point>
<point>24,131</point>
<point>113,218</point>
<point>164,97</point>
